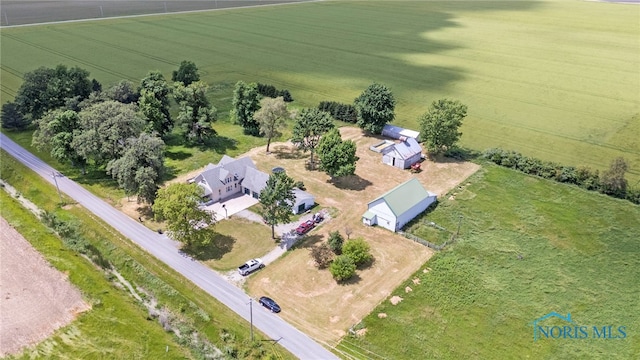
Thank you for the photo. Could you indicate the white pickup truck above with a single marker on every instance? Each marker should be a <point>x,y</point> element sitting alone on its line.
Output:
<point>250,266</point>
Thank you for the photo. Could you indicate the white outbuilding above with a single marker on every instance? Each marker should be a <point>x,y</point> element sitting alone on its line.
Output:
<point>398,206</point>
<point>402,154</point>
<point>396,132</point>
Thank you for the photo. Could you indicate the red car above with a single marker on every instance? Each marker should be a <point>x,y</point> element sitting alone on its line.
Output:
<point>305,227</point>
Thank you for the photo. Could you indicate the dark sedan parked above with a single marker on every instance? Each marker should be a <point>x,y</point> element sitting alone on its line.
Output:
<point>269,304</point>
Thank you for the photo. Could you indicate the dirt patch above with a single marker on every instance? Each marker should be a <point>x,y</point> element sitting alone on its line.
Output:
<point>36,299</point>
<point>395,300</point>
<point>309,297</point>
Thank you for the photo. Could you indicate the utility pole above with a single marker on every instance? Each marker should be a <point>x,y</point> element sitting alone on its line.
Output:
<point>224,206</point>
<point>251,316</point>
<point>55,179</point>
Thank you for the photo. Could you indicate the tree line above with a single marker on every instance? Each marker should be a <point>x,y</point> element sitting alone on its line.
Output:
<point>120,129</point>
<point>610,182</point>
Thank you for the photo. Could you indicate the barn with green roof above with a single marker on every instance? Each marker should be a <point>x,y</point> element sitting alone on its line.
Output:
<point>398,206</point>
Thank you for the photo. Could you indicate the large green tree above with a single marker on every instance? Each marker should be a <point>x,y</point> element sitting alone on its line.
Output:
<point>612,181</point>
<point>104,130</point>
<point>196,113</point>
<point>55,133</point>
<point>46,89</point>
<point>140,169</point>
<point>276,199</point>
<point>439,125</point>
<point>310,126</point>
<point>154,100</point>
<point>12,118</point>
<point>245,103</point>
<point>187,73</point>
<point>375,108</point>
<point>187,223</point>
<point>337,157</point>
<point>123,91</point>
<point>272,116</point>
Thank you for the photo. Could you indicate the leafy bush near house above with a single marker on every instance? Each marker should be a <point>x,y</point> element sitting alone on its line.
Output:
<point>342,268</point>
<point>357,250</point>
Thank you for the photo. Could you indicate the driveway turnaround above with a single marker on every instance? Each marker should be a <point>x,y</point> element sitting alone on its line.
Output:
<point>166,250</point>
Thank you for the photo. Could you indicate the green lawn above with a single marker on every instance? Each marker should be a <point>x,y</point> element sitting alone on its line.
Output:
<point>552,79</point>
<point>238,240</point>
<point>117,327</point>
<point>579,255</point>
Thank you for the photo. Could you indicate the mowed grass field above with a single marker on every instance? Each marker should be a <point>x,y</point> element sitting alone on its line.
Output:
<point>558,80</point>
<point>579,254</point>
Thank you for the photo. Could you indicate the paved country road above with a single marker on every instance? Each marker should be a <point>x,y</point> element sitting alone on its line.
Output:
<point>166,250</point>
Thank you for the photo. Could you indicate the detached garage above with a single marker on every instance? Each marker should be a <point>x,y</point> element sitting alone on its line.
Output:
<point>303,201</point>
<point>400,205</point>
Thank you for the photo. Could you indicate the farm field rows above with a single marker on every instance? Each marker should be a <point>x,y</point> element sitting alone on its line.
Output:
<point>521,255</point>
<point>552,79</point>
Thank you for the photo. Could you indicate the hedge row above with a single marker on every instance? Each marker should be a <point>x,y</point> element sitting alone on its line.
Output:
<point>272,92</point>
<point>342,112</point>
<point>582,176</point>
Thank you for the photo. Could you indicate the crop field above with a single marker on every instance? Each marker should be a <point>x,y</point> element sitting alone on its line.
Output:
<point>521,255</point>
<point>553,79</point>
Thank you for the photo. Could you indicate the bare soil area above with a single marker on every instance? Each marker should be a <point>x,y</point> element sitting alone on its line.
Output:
<point>310,298</point>
<point>36,299</point>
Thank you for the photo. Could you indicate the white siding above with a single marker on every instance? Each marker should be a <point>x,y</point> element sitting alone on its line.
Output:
<point>384,215</point>
<point>408,215</point>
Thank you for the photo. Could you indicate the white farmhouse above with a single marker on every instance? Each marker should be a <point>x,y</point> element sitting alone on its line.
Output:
<point>232,176</point>
<point>398,206</point>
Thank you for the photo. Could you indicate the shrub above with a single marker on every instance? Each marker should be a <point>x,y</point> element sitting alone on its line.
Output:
<point>12,118</point>
<point>272,92</point>
<point>335,242</point>
<point>358,250</point>
<point>286,95</point>
<point>300,185</point>
<point>322,255</point>
<point>342,268</point>
<point>342,112</point>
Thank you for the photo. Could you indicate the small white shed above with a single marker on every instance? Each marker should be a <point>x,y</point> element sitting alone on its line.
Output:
<point>402,154</point>
<point>398,206</point>
<point>396,132</point>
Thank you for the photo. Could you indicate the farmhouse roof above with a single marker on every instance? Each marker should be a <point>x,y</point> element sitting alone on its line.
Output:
<point>255,179</point>
<point>404,196</point>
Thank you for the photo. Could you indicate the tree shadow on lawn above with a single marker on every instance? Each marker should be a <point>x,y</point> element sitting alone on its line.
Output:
<point>177,155</point>
<point>351,281</point>
<point>215,250</point>
<point>307,242</point>
<point>218,143</point>
<point>286,152</point>
<point>351,182</point>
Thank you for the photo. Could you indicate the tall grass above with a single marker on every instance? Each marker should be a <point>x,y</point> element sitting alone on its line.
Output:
<point>527,247</point>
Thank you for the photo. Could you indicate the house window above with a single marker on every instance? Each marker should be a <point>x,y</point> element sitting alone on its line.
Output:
<point>229,188</point>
